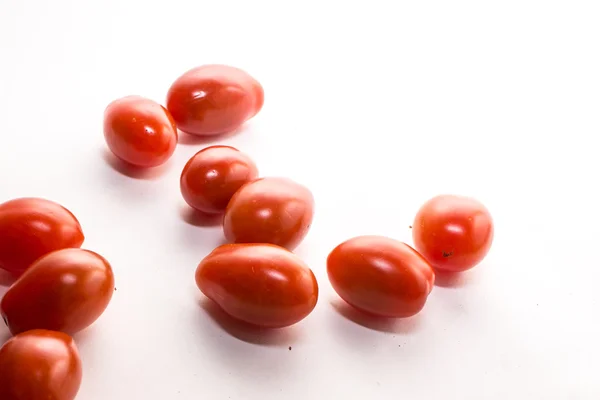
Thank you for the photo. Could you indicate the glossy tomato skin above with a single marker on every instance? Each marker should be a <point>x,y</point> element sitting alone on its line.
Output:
<point>214,99</point>
<point>261,284</point>
<point>454,233</point>
<point>380,276</point>
<point>40,364</point>
<point>139,131</point>
<point>212,176</point>
<point>33,227</point>
<point>65,291</point>
<point>269,210</point>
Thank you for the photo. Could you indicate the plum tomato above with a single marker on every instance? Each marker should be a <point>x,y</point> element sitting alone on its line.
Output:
<point>33,227</point>
<point>269,210</point>
<point>214,99</point>
<point>261,284</point>
<point>139,131</point>
<point>213,175</point>
<point>380,276</point>
<point>40,364</point>
<point>454,233</point>
<point>66,291</point>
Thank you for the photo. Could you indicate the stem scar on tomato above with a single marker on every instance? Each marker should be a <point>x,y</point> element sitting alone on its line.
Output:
<point>447,254</point>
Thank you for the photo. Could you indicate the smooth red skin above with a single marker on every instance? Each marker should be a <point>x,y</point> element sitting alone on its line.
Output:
<point>213,175</point>
<point>65,291</point>
<point>380,276</point>
<point>261,284</point>
<point>269,210</point>
<point>214,99</point>
<point>40,364</point>
<point>140,131</point>
<point>454,233</point>
<point>33,227</point>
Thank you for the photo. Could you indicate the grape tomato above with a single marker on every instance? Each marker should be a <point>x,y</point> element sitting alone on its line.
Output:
<point>261,284</point>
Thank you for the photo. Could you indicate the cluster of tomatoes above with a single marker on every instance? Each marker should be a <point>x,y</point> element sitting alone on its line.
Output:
<point>62,289</point>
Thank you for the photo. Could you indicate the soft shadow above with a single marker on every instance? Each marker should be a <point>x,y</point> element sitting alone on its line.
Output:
<point>6,278</point>
<point>305,250</point>
<point>447,279</point>
<point>283,337</point>
<point>4,332</point>
<point>381,324</point>
<point>132,171</point>
<point>4,335</point>
<point>188,139</point>
<point>198,218</point>
<point>84,337</point>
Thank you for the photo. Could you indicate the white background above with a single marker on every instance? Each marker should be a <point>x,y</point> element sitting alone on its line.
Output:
<point>376,106</point>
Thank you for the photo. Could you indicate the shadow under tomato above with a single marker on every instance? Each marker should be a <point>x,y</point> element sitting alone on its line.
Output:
<point>373,322</point>
<point>446,279</point>
<point>84,337</point>
<point>4,335</point>
<point>282,337</point>
<point>6,278</point>
<point>189,139</point>
<point>198,218</point>
<point>4,332</point>
<point>132,171</point>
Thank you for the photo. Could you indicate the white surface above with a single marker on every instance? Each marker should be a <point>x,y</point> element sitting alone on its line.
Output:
<point>376,108</point>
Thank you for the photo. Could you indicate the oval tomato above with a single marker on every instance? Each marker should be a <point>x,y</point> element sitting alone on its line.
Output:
<point>261,284</point>
<point>66,291</point>
<point>33,227</point>
<point>213,175</point>
<point>39,364</point>
<point>380,276</point>
<point>139,131</point>
<point>269,210</point>
<point>454,233</point>
<point>214,99</point>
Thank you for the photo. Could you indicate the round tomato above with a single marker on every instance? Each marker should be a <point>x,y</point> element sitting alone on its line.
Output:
<point>213,175</point>
<point>269,210</point>
<point>33,227</point>
<point>453,233</point>
<point>214,99</point>
<point>380,276</point>
<point>66,291</point>
<point>139,131</point>
<point>262,284</point>
<point>39,364</point>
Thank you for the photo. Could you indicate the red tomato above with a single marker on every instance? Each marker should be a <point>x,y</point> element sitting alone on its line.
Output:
<point>139,131</point>
<point>31,228</point>
<point>213,175</point>
<point>380,276</point>
<point>261,284</point>
<point>38,365</point>
<point>66,291</point>
<point>453,233</point>
<point>269,210</point>
<point>214,99</point>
